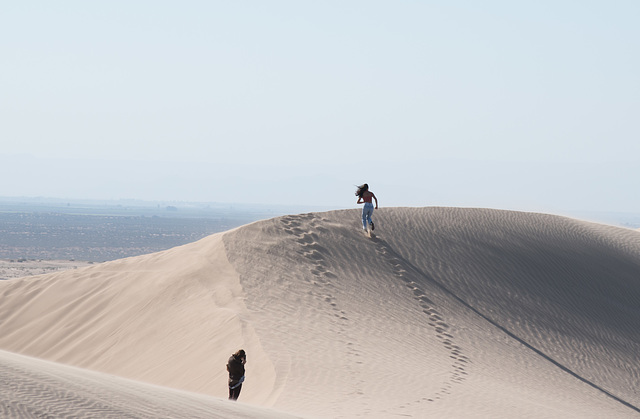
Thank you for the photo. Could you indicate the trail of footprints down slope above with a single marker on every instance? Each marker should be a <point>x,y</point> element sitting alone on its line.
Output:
<point>322,288</point>
<point>406,272</point>
<point>403,270</point>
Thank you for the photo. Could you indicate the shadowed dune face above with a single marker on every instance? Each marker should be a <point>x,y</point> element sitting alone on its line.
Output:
<point>445,312</point>
<point>569,288</point>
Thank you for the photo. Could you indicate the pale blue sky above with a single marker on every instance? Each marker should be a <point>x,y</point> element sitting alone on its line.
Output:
<point>507,104</point>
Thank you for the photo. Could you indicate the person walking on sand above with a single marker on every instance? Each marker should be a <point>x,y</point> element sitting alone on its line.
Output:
<point>365,196</point>
<point>235,366</point>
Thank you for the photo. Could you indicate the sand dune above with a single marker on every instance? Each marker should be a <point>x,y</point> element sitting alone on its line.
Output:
<point>445,313</point>
<point>33,388</point>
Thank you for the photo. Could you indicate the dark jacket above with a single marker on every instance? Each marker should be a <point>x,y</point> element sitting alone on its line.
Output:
<point>236,369</point>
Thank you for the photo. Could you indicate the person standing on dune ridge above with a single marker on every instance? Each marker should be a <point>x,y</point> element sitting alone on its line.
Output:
<point>365,196</point>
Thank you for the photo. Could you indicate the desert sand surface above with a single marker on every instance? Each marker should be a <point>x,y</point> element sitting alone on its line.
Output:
<point>445,312</point>
<point>33,388</point>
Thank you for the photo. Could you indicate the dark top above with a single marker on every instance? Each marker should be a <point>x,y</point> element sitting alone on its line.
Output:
<point>236,369</point>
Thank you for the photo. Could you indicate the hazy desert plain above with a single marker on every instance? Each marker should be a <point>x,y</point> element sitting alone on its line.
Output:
<point>445,312</point>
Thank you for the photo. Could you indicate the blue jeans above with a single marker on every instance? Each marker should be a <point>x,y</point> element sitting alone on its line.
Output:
<point>367,212</point>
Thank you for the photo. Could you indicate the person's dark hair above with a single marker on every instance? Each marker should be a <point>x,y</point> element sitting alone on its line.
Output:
<point>361,190</point>
<point>240,354</point>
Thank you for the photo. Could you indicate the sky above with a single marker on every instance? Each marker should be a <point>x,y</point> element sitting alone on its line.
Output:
<point>502,104</point>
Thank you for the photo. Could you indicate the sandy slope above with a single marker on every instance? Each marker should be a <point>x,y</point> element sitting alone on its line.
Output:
<point>33,388</point>
<point>445,313</point>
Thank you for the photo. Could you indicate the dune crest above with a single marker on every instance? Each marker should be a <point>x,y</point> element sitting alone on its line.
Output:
<point>446,312</point>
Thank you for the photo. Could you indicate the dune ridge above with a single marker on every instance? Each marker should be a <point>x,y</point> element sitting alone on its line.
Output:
<point>446,312</point>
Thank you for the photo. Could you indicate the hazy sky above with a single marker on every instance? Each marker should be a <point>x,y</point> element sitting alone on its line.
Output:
<point>508,104</point>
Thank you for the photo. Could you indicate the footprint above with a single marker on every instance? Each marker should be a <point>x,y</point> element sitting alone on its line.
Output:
<point>403,271</point>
